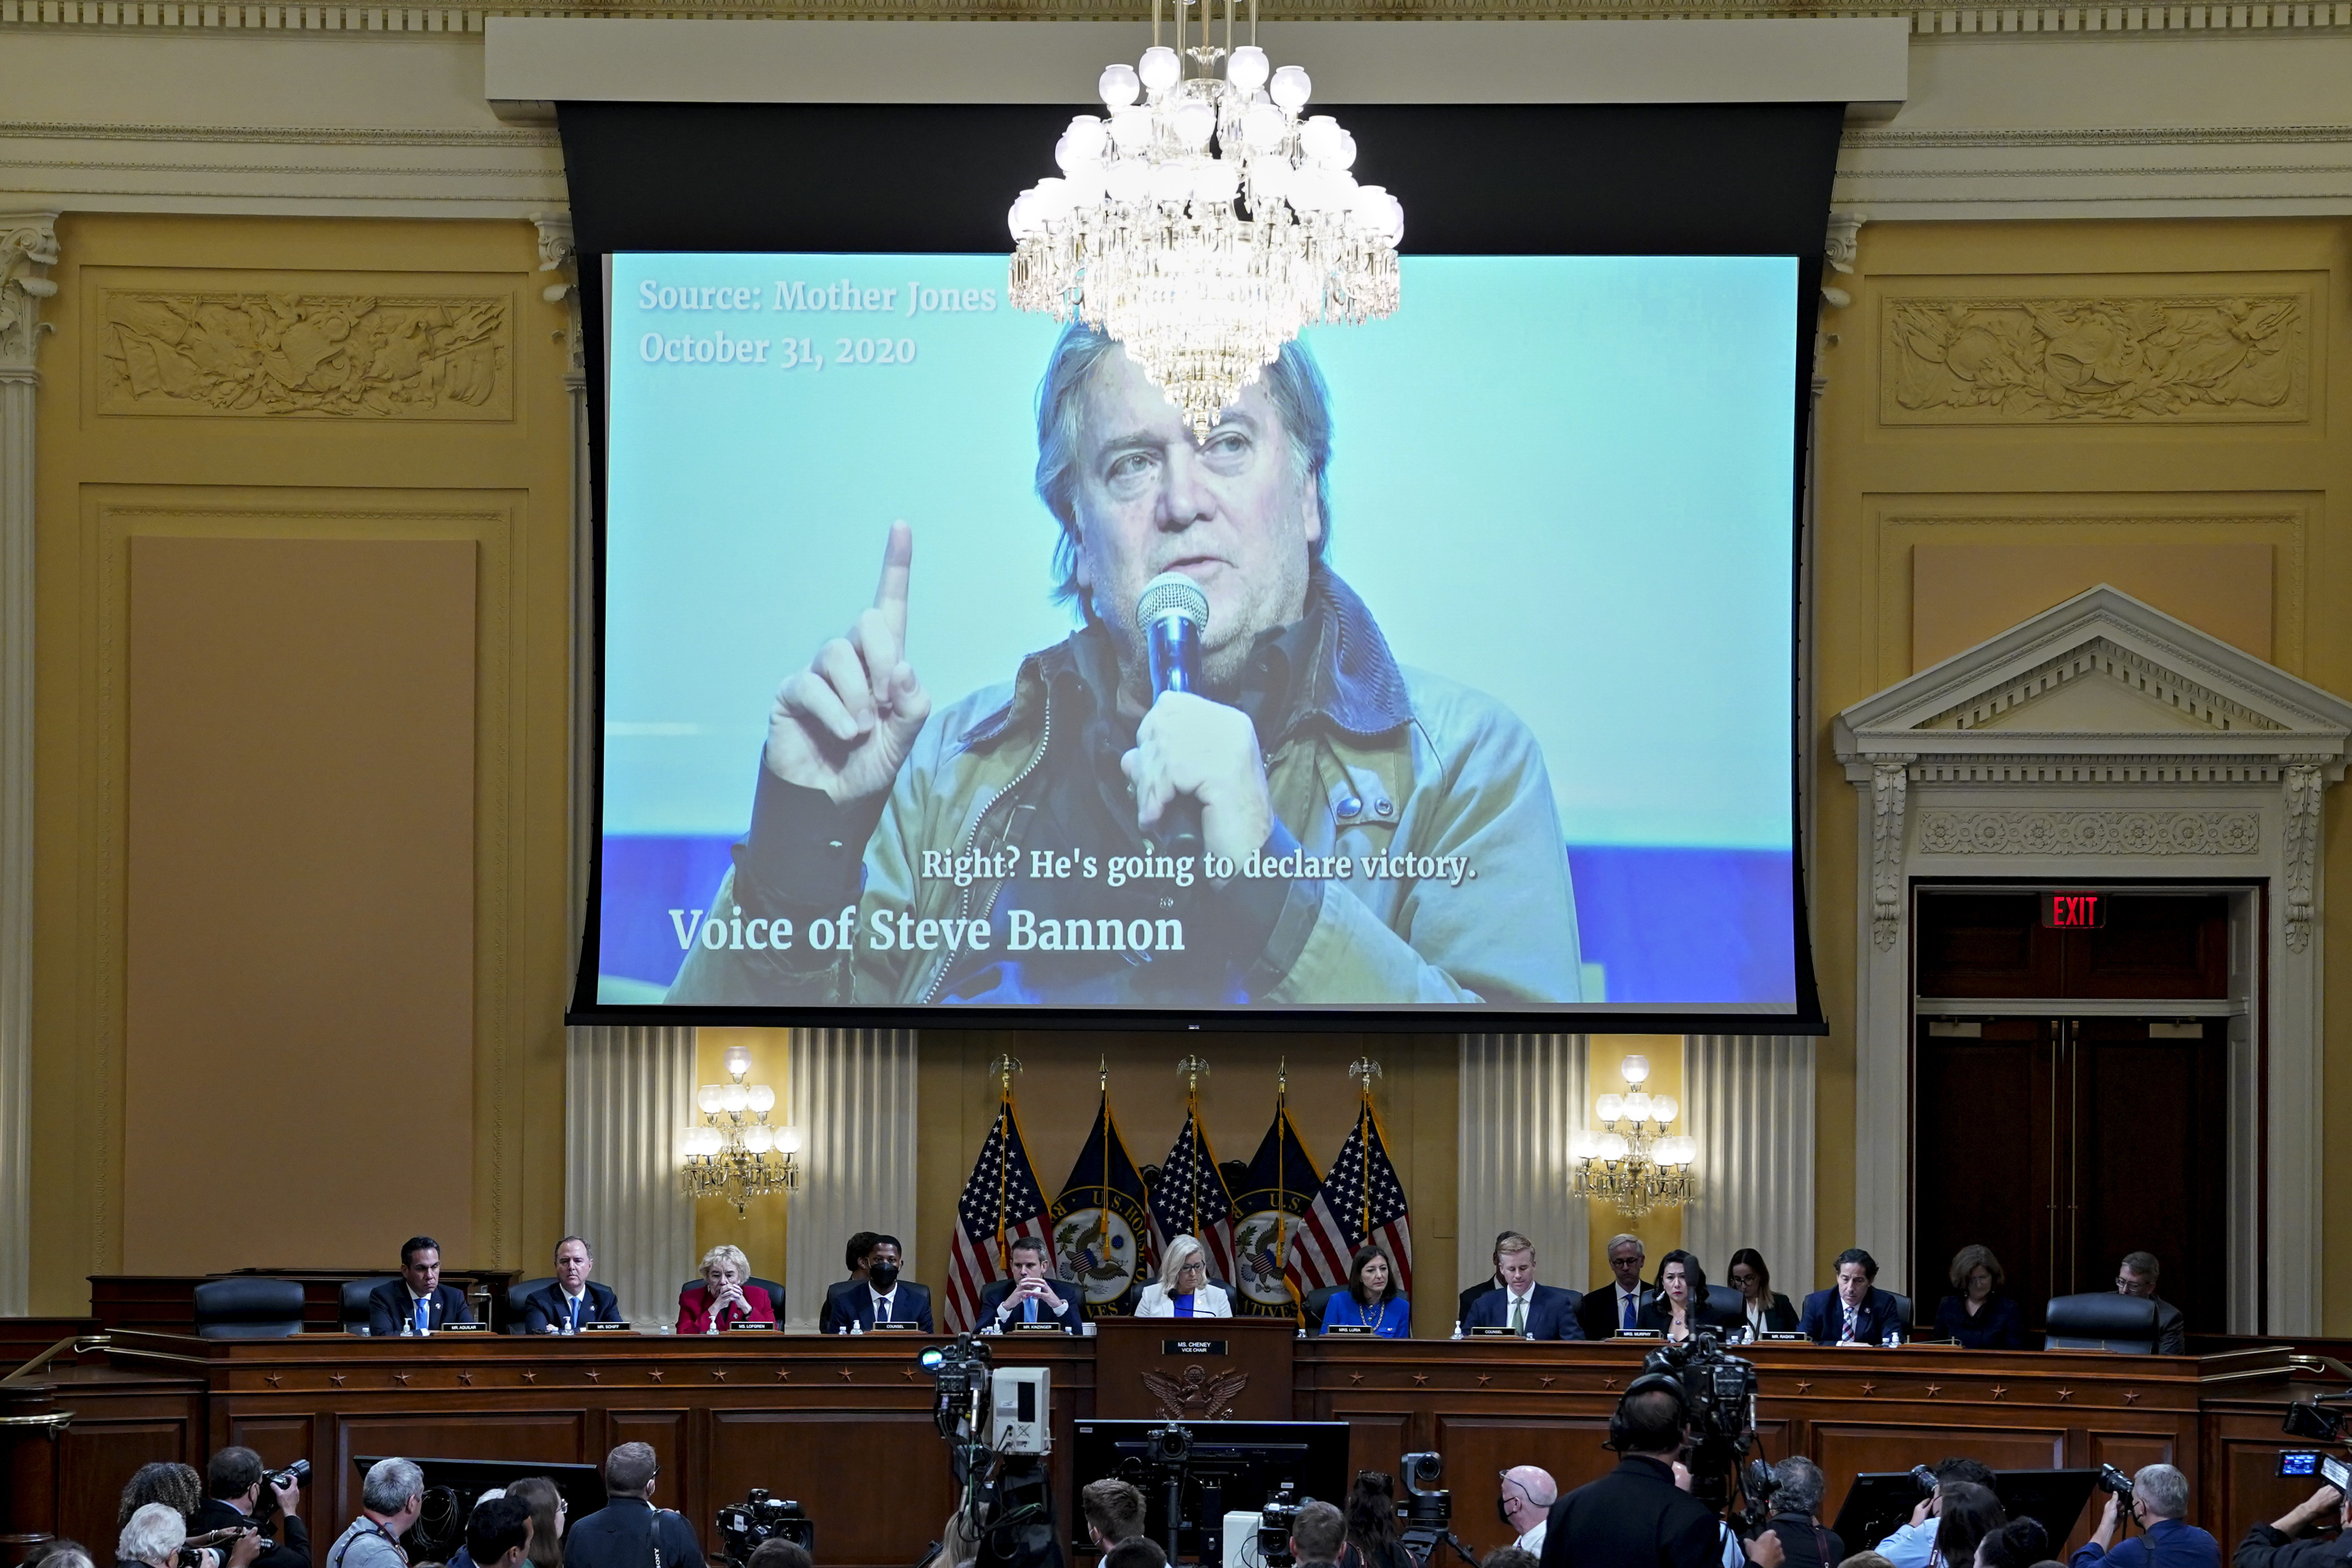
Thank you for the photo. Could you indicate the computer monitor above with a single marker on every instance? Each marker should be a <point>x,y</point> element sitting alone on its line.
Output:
<point>452,1487</point>
<point>1879,1501</point>
<point>1232,1465</point>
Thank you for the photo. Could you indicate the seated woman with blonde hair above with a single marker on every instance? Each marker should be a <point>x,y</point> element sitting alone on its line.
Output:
<point>1182,1289</point>
<point>725,1296</point>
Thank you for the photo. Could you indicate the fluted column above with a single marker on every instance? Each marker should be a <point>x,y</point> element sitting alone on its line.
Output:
<point>628,1094</point>
<point>558,255</point>
<point>1750,1105</point>
<point>853,1099</point>
<point>1522,1099</point>
<point>28,248</point>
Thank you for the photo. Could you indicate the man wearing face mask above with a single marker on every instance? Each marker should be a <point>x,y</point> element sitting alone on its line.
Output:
<point>1525,1504</point>
<point>1306,742</point>
<point>882,1297</point>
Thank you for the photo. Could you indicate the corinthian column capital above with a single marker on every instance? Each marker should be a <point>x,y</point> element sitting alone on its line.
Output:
<point>28,248</point>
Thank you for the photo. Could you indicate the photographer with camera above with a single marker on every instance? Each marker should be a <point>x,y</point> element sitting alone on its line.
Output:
<point>151,1537</point>
<point>236,1479</point>
<point>2157,1498</point>
<point>1798,1485</point>
<point>629,1532</point>
<point>181,1490</point>
<point>2275,1544</point>
<point>390,1499</point>
<point>1913,1544</point>
<point>1637,1515</point>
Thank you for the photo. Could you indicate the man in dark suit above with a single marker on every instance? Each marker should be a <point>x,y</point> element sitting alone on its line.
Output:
<point>1493,1281</point>
<point>1606,1313</point>
<point>880,1297</point>
<point>1535,1311</point>
<point>232,1481</point>
<point>830,1318</point>
<point>416,1303</point>
<point>628,1529</point>
<point>1636,1516</point>
<point>574,1298</point>
<point>1857,1311</point>
<point>1031,1295</point>
<point>2137,1277</point>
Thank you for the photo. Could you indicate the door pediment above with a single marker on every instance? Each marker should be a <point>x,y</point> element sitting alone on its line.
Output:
<point>2102,674</point>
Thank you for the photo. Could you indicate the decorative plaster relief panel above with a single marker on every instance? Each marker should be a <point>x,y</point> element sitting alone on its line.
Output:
<point>2169,359</point>
<point>291,351</point>
<point>2090,832</point>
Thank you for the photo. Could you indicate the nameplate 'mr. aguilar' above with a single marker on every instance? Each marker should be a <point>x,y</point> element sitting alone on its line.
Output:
<point>1191,1347</point>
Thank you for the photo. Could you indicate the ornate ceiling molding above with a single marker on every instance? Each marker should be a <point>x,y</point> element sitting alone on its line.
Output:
<point>1936,20</point>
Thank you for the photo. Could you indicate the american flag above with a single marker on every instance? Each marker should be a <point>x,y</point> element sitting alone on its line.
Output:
<point>1192,1198</point>
<point>1361,1199</point>
<point>1000,1204</point>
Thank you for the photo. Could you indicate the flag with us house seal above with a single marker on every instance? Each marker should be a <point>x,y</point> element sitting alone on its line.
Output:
<point>1271,1205</point>
<point>1101,1225</point>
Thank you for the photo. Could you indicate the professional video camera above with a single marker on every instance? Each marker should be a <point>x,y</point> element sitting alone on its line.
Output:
<point>1427,1511</point>
<point>1005,1499</point>
<point>760,1517</point>
<point>1719,1399</point>
<point>1274,1523</point>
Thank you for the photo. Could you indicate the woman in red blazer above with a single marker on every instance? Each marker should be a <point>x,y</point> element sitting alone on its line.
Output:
<point>725,1296</point>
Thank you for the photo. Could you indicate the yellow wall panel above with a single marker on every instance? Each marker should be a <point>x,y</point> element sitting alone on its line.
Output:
<point>347,380</point>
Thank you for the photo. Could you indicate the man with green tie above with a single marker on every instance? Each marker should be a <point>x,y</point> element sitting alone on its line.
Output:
<point>1527,1309</point>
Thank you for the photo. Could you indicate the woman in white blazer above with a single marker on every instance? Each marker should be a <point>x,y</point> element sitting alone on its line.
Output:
<point>1182,1289</point>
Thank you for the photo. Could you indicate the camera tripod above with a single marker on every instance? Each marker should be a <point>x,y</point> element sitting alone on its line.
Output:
<point>1422,1541</point>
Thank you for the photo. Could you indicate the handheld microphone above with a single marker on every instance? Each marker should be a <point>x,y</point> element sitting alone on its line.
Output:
<point>1172,614</point>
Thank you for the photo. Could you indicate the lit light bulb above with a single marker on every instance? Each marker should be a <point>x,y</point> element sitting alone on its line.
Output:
<point>739,1059</point>
<point>1290,89</point>
<point>759,1138</point>
<point>733,1097</point>
<point>1583,1144</point>
<point>1637,1106</point>
<point>1159,69</point>
<point>1118,85</point>
<point>1248,69</point>
<point>1613,1146</point>
<point>788,1140</point>
<point>1195,121</point>
<point>706,1099</point>
<point>763,1097</point>
<point>1130,129</point>
<point>1609,1107</point>
<point>1634,1069</point>
<point>1664,1108</point>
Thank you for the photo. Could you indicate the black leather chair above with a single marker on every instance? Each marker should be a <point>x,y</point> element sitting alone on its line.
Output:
<point>1902,1314</point>
<point>519,1294</point>
<point>244,1307</point>
<point>1318,1301</point>
<point>1727,1305</point>
<point>775,1292</point>
<point>2102,1320</point>
<point>355,1301</point>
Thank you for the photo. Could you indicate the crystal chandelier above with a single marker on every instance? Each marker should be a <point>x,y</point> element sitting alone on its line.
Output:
<point>1640,1168</point>
<point>733,1154</point>
<point>1203,223</point>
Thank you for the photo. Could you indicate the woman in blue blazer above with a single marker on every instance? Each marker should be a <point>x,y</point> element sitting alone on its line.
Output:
<point>1371,1300</point>
<point>1975,1314</point>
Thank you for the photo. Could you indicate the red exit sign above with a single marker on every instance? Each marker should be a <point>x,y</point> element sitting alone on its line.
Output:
<point>2073,911</point>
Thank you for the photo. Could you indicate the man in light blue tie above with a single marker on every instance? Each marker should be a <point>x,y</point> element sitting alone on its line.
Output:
<point>571,1300</point>
<point>417,1302</point>
<point>1029,1296</point>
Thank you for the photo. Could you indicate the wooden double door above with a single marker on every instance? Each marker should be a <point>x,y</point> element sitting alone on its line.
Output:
<point>2064,1140</point>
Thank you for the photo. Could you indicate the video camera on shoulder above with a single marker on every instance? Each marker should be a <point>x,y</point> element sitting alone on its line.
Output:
<point>759,1518</point>
<point>1274,1523</point>
<point>1718,1410</point>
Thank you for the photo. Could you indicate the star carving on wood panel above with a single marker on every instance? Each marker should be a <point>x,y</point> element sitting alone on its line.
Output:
<point>1998,1391</point>
<point>783,1374</point>
<point>530,1377</point>
<point>720,1373</point>
<point>273,1378</point>
<point>1933,1390</point>
<point>1868,1389</point>
<point>594,1375</point>
<point>845,1375</point>
<point>1548,1381</point>
<point>467,1378</point>
<point>336,1378</point>
<point>2131,1396</point>
<point>1608,1383</point>
<point>908,1372</point>
<point>1421,1377</point>
<point>1484,1378</point>
<point>401,1378</point>
<point>655,1373</point>
<point>1355,1377</point>
<point>1804,1387</point>
<point>2065,1394</point>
